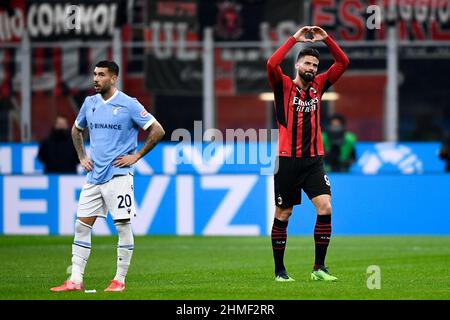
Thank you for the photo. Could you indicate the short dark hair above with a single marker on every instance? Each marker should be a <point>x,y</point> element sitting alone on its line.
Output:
<point>308,52</point>
<point>111,65</point>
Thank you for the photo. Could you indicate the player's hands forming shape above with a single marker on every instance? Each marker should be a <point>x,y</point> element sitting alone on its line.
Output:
<point>86,163</point>
<point>318,34</point>
<point>126,161</point>
<point>300,35</point>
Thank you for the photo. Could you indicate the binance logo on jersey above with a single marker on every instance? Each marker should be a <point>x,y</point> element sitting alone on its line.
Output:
<point>105,126</point>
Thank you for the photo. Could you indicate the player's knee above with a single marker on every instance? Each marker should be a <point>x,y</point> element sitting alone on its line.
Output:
<point>89,221</point>
<point>324,208</point>
<point>283,214</point>
<point>122,226</point>
<point>122,221</point>
<point>82,228</point>
<point>124,230</point>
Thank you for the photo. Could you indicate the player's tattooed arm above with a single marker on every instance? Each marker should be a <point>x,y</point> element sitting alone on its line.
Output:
<point>77,138</point>
<point>156,133</point>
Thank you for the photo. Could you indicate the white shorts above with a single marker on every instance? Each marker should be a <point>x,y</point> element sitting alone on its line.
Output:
<point>115,196</point>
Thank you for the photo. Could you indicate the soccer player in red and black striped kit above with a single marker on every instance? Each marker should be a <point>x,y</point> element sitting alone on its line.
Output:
<point>300,148</point>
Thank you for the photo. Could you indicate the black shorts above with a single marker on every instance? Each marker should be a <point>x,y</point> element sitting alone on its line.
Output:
<point>295,174</point>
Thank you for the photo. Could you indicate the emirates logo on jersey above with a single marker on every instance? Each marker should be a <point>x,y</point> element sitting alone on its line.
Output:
<point>305,106</point>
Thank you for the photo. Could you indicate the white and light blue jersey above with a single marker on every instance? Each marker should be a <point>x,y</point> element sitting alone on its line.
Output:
<point>113,128</point>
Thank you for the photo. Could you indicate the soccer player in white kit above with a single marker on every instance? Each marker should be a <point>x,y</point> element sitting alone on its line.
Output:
<point>113,120</point>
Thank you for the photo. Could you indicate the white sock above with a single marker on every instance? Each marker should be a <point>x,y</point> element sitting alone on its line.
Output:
<point>81,248</point>
<point>125,248</point>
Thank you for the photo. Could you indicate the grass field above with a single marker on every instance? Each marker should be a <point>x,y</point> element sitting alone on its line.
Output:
<point>229,268</point>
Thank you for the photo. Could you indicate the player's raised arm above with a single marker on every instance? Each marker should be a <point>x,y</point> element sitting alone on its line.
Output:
<point>341,61</point>
<point>274,71</point>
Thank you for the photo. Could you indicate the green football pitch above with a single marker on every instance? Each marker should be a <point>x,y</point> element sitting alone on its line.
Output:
<point>230,268</point>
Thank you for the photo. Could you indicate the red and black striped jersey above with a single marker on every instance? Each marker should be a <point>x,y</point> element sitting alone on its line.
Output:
<point>298,110</point>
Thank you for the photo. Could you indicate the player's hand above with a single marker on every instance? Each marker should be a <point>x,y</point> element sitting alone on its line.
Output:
<point>87,164</point>
<point>318,34</point>
<point>300,35</point>
<point>126,161</point>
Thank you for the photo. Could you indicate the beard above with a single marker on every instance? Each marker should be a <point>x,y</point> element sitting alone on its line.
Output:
<point>307,76</point>
<point>102,89</point>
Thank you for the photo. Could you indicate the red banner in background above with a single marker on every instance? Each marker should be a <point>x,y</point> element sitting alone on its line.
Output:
<point>351,20</point>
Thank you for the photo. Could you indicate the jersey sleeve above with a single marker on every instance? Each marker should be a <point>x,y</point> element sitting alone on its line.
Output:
<point>140,116</point>
<point>340,64</point>
<point>80,121</point>
<point>274,72</point>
